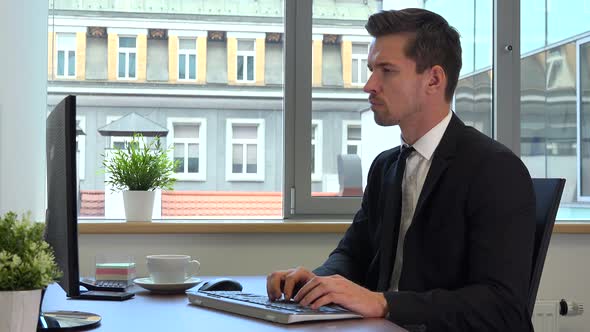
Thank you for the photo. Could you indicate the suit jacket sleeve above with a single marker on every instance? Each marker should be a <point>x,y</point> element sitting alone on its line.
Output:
<point>500,232</point>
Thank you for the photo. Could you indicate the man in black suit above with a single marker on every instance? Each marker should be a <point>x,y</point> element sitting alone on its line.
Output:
<point>457,254</point>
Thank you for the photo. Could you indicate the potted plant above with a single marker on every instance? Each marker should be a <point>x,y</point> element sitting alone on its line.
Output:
<point>137,171</point>
<point>27,265</point>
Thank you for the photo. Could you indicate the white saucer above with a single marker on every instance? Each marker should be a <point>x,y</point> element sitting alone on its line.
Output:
<point>148,284</point>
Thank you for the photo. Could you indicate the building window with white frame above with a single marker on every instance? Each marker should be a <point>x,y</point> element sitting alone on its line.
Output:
<point>66,55</point>
<point>360,71</point>
<point>127,59</point>
<point>316,150</point>
<point>187,59</point>
<point>351,138</point>
<point>189,149</point>
<point>245,150</point>
<point>246,58</point>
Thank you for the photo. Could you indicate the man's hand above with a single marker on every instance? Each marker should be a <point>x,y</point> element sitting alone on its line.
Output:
<point>318,291</point>
<point>336,289</point>
<point>286,282</point>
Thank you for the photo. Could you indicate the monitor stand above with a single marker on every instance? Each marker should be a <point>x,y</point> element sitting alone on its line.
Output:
<point>67,320</point>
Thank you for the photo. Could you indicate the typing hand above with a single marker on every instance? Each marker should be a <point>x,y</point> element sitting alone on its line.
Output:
<point>319,291</point>
<point>286,282</point>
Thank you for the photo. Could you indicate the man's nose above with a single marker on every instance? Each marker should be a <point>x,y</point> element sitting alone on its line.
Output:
<point>370,86</point>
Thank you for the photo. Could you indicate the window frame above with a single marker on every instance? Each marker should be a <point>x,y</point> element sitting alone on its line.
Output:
<point>201,141</point>
<point>66,50</point>
<point>230,176</point>
<point>359,57</point>
<point>579,156</point>
<point>245,55</point>
<point>127,51</point>
<point>187,53</point>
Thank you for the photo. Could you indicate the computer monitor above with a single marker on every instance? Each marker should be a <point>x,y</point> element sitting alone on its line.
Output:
<point>61,217</point>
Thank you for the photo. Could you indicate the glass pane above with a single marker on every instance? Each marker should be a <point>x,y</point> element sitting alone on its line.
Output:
<point>237,158</point>
<point>186,131</point>
<point>187,44</point>
<point>131,65</point>
<point>250,68</point>
<point>251,156</point>
<point>553,125</point>
<point>71,63</point>
<point>355,71</point>
<point>192,69</point>
<point>472,19</point>
<point>245,131</point>
<point>240,70</point>
<point>245,45</point>
<point>179,156</point>
<point>585,120</point>
<point>193,158</point>
<point>354,133</point>
<point>60,63</point>
<point>181,66</point>
<point>127,42</point>
<point>122,60</point>
<point>216,101</point>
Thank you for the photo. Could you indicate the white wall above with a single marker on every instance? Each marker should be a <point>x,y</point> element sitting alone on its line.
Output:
<point>566,272</point>
<point>23,104</point>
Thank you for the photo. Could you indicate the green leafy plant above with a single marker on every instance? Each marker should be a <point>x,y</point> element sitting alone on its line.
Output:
<point>26,260</point>
<point>140,166</point>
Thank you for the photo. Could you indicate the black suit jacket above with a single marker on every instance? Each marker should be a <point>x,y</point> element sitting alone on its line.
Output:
<point>468,252</point>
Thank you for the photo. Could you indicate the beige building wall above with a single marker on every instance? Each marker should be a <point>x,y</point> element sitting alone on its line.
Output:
<point>141,58</point>
<point>232,52</point>
<point>172,59</point>
<point>113,43</point>
<point>259,63</point>
<point>202,60</point>
<point>346,51</point>
<point>50,54</point>
<point>80,55</point>
<point>317,48</point>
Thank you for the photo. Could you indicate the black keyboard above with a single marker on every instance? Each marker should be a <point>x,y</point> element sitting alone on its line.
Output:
<point>105,285</point>
<point>288,306</point>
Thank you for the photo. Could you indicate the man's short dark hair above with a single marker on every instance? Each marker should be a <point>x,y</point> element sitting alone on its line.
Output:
<point>434,41</point>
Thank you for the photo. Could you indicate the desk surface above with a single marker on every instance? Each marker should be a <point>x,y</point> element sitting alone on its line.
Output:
<point>157,312</point>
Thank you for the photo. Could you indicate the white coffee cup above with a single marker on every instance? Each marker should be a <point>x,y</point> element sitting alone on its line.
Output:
<point>169,269</point>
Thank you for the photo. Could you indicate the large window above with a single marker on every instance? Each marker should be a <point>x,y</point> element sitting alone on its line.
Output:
<point>278,85</point>
<point>66,55</point>
<point>127,65</point>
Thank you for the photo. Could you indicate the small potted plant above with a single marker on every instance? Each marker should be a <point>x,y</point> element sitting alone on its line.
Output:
<point>137,171</point>
<point>27,265</point>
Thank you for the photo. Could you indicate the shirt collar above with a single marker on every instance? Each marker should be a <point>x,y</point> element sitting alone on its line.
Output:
<point>426,145</point>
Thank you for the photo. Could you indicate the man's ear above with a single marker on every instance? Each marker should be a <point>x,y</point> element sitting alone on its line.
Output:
<point>436,80</point>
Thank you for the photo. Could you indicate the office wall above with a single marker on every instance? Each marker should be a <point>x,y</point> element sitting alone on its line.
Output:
<point>566,272</point>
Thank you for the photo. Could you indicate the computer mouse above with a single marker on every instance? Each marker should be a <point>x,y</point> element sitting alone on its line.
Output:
<point>221,284</point>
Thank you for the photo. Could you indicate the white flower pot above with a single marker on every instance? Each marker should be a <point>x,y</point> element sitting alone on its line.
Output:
<point>19,310</point>
<point>139,205</point>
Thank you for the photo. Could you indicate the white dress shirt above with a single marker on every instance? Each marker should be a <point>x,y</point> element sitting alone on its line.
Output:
<point>417,166</point>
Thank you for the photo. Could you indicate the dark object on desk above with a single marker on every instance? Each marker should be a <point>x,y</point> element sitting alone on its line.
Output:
<point>548,195</point>
<point>221,284</point>
<point>104,285</point>
<point>105,296</point>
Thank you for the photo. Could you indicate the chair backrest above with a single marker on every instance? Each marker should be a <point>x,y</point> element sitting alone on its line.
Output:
<point>548,195</point>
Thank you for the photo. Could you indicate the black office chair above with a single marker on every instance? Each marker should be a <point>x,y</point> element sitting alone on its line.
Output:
<point>548,195</point>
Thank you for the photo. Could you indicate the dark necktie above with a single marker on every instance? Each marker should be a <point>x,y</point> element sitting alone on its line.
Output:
<point>391,219</point>
<point>397,185</point>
